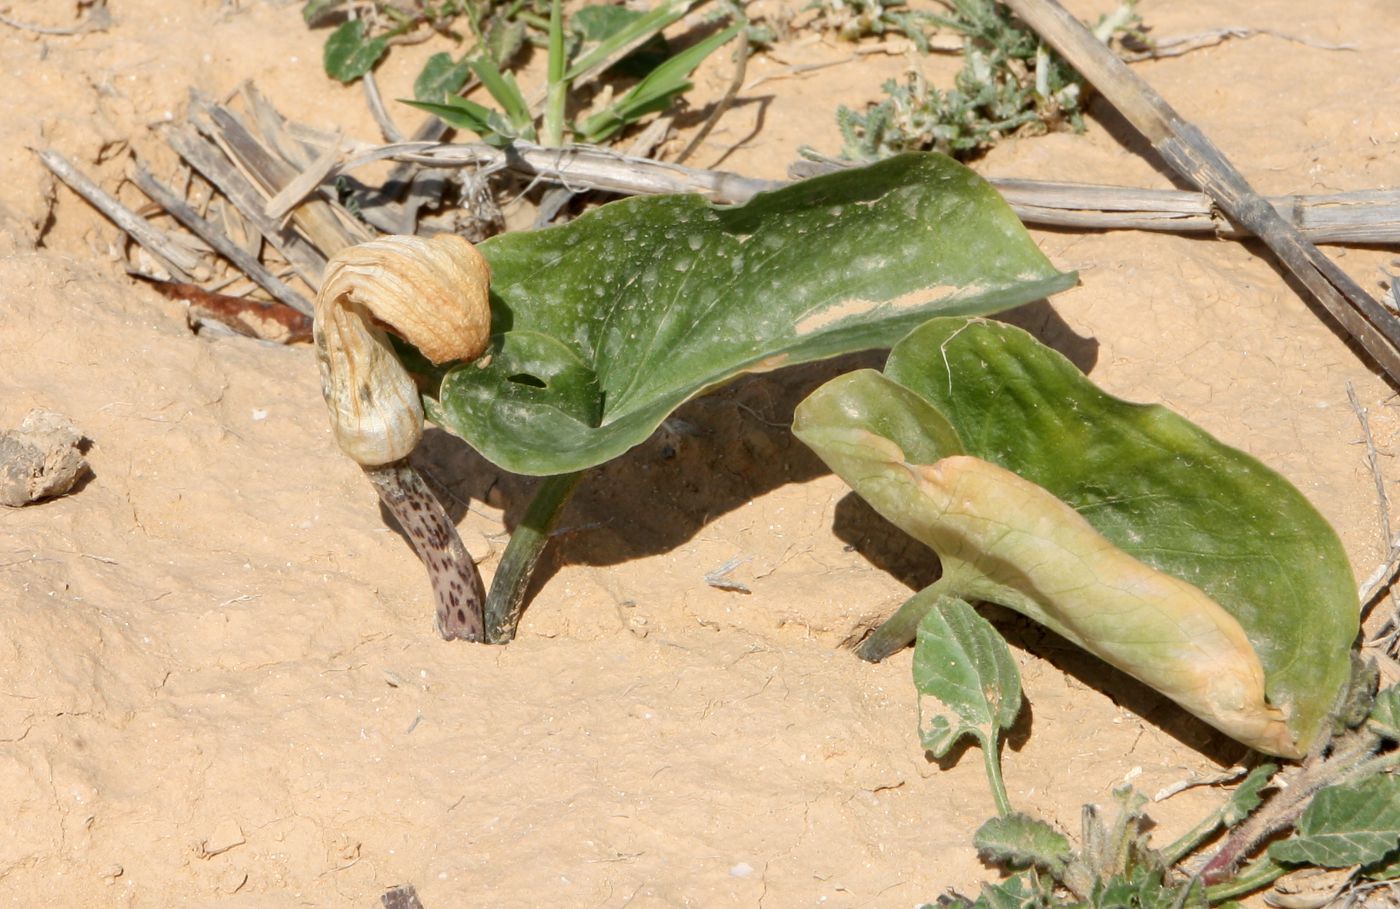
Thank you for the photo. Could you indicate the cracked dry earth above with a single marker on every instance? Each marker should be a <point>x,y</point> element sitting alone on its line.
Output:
<point>219,681</point>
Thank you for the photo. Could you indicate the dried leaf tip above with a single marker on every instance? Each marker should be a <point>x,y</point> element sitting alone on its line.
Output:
<point>434,293</point>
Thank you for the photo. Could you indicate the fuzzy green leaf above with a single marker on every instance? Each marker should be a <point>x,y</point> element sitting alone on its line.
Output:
<point>1020,891</point>
<point>1019,841</point>
<point>349,54</point>
<point>1346,825</point>
<point>962,662</point>
<point>1385,714</point>
<point>1247,795</point>
<point>660,299</point>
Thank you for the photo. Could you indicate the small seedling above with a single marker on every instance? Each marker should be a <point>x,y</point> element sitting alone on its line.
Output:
<point>1340,811</point>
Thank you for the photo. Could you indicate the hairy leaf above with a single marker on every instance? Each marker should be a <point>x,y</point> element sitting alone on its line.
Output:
<point>1385,713</point>
<point>1223,584</point>
<point>1019,840</point>
<point>963,663</point>
<point>1346,825</point>
<point>648,302</point>
<point>1020,891</point>
<point>1247,795</point>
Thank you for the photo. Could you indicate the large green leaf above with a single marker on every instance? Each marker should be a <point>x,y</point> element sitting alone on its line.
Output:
<point>603,326</point>
<point>1346,825</point>
<point>1158,491</point>
<point>963,664</point>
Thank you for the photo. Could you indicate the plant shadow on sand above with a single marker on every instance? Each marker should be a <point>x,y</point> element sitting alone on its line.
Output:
<point>725,449</point>
<point>713,455</point>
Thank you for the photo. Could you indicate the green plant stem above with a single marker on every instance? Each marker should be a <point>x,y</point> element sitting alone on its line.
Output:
<point>507,597</point>
<point>1259,874</point>
<point>558,89</point>
<point>991,759</point>
<point>1349,753</point>
<point>1188,841</point>
<point>900,629</point>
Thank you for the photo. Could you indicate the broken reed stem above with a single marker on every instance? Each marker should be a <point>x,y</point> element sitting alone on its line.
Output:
<point>248,264</point>
<point>211,163</point>
<point>1356,217</point>
<point>179,262</point>
<point>1389,633</point>
<point>1191,154</point>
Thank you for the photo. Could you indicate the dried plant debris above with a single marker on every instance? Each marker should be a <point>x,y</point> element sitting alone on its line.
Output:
<point>268,321</point>
<point>41,459</point>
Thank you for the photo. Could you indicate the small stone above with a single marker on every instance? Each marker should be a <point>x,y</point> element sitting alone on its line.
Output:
<point>41,459</point>
<point>226,835</point>
<point>743,869</point>
<point>232,880</point>
<point>112,872</point>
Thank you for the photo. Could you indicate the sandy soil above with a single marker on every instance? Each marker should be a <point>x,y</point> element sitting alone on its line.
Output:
<point>219,683</point>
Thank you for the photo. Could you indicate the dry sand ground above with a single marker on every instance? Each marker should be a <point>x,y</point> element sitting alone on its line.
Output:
<point>219,683</point>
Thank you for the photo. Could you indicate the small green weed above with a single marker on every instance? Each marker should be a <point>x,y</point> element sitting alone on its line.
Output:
<point>1340,810</point>
<point>1010,83</point>
<point>595,39</point>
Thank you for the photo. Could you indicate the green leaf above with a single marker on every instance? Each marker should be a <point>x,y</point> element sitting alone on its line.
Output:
<point>504,89</point>
<point>1019,840</point>
<point>1020,891</point>
<point>1385,714</point>
<point>1230,585</point>
<point>504,37</point>
<point>631,34</point>
<point>1346,825</point>
<point>462,113</point>
<point>316,10</point>
<point>656,92</point>
<point>660,299</point>
<point>349,54</point>
<point>963,663</point>
<point>441,78</point>
<point>1143,888</point>
<point>600,22</point>
<point>1247,795</point>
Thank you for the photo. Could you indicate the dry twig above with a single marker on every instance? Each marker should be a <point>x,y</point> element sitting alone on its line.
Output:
<point>216,238</point>
<point>1195,157</point>
<point>179,262</point>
